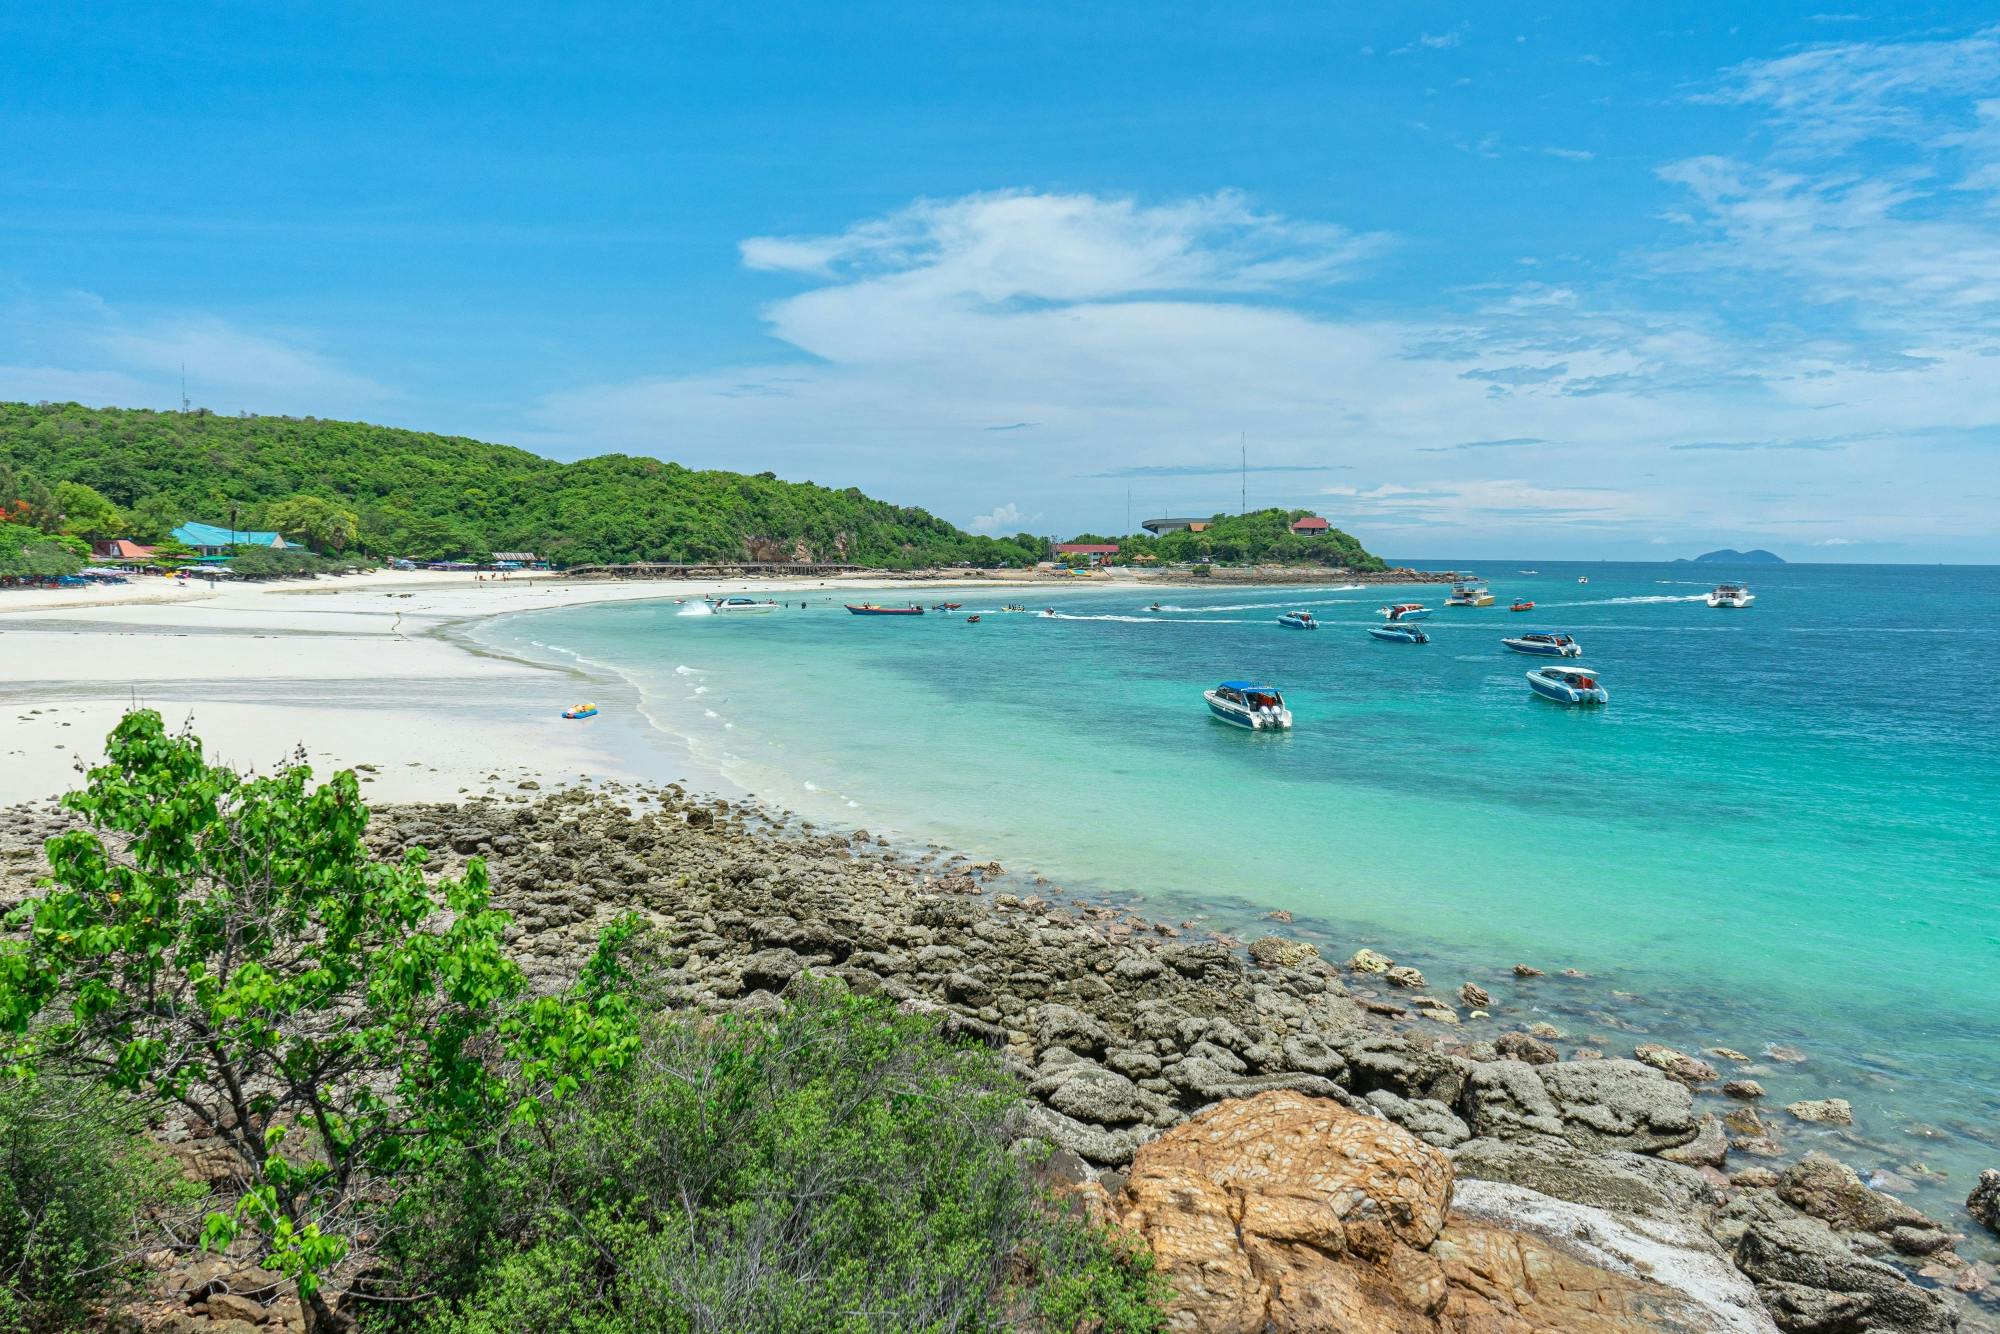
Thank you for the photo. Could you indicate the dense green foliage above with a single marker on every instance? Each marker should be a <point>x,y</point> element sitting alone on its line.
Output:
<point>833,1166</point>
<point>1259,537</point>
<point>230,946</point>
<point>435,497</point>
<point>270,562</point>
<point>26,551</point>
<point>77,1182</point>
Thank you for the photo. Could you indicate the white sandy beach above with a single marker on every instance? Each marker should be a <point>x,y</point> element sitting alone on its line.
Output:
<point>348,668</point>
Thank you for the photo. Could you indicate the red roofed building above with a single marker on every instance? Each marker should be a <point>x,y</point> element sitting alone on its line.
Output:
<point>120,549</point>
<point>1310,526</point>
<point>1099,552</point>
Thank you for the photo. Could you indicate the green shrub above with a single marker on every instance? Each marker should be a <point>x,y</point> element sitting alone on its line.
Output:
<point>837,1166</point>
<point>76,1185</point>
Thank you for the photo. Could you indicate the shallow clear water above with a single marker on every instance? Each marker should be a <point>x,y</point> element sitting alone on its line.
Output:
<point>1785,827</point>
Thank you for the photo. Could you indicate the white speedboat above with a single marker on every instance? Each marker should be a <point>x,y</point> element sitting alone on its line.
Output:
<point>1568,685</point>
<point>741,606</point>
<point>1731,595</point>
<point>1547,645</point>
<point>1298,620</point>
<point>1465,594</point>
<point>1397,633</point>
<point>1247,704</point>
<point>1405,611</point>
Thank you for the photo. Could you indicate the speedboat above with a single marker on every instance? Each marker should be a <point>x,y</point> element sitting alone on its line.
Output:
<point>1568,685</point>
<point>1469,595</point>
<point>1399,634</point>
<point>1405,611</point>
<point>1298,620</point>
<point>1731,595</point>
<point>1583,578</point>
<point>1546,645</point>
<point>1531,572</point>
<point>735,605</point>
<point>1520,604</point>
<point>946,606</point>
<point>1247,704</point>
<point>873,609</point>
<point>1154,607</point>
<point>972,619</point>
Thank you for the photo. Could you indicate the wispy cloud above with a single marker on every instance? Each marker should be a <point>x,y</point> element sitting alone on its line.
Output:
<point>1755,446</point>
<point>1573,154</point>
<point>1206,469</point>
<point>1513,442</point>
<point>1015,426</point>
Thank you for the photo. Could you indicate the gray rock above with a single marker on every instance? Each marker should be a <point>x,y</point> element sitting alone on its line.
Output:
<point>1429,1120</point>
<point>1834,1193</point>
<point>1708,1148</point>
<point>1619,1105</point>
<point>1089,1093</point>
<point>770,970</point>
<point>1984,1202</point>
<point>1813,1283</point>
<point>1278,952</point>
<point>1521,1047</point>
<point>1064,1026</point>
<point>1505,1100</point>
<point>1313,1055</point>
<point>1105,1148</point>
<point>1823,1111</point>
<point>1627,1183</point>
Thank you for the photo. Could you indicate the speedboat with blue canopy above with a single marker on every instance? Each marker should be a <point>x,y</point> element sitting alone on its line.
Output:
<point>1399,634</point>
<point>1546,644</point>
<point>1568,685</point>
<point>1298,620</point>
<point>1248,704</point>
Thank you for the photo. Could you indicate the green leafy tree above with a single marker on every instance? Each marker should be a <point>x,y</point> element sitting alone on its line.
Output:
<point>25,501</point>
<point>229,946</point>
<point>153,519</point>
<point>32,553</point>
<point>319,523</point>
<point>87,514</point>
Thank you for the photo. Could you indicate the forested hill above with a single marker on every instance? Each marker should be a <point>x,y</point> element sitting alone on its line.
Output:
<point>438,497</point>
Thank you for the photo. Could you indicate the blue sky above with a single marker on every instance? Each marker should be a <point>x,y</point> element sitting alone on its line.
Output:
<point>1550,279</point>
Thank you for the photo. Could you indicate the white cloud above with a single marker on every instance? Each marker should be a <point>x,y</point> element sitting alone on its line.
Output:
<point>1005,518</point>
<point>81,348</point>
<point>1159,334</point>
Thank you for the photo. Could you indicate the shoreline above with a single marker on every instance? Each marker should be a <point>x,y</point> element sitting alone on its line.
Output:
<point>1122,1024</point>
<point>425,715</point>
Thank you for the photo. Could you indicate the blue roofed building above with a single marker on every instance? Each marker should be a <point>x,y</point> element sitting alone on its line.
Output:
<point>209,540</point>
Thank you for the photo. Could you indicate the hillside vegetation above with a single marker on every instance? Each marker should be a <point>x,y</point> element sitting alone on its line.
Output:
<point>433,497</point>
<point>1259,537</point>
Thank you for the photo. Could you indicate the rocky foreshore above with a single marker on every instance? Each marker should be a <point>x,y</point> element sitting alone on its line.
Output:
<point>1305,1142</point>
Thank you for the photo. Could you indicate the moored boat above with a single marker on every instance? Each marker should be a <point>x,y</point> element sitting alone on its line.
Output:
<point>1547,645</point>
<point>1467,593</point>
<point>874,609</point>
<point>1399,634</point>
<point>1298,620</point>
<point>1731,595</point>
<point>1568,685</point>
<point>1404,611</point>
<point>740,606</point>
<point>946,606</point>
<point>1250,705</point>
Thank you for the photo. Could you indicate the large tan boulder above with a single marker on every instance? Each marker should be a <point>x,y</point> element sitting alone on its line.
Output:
<point>1287,1212</point>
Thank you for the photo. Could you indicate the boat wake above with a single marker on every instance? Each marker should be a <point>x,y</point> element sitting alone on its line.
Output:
<point>695,609</point>
<point>1141,620</point>
<point>1268,606</point>
<point>1633,601</point>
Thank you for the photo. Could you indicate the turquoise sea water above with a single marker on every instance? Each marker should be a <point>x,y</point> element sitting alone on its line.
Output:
<point>1785,827</point>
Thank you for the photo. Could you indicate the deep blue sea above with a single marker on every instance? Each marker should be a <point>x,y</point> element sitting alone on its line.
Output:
<point>1783,829</point>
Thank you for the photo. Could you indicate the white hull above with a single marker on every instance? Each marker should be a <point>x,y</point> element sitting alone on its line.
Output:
<point>742,608</point>
<point>1738,600</point>
<point>1255,720</point>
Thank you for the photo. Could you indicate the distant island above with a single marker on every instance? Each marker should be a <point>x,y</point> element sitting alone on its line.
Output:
<point>1730,556</point>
